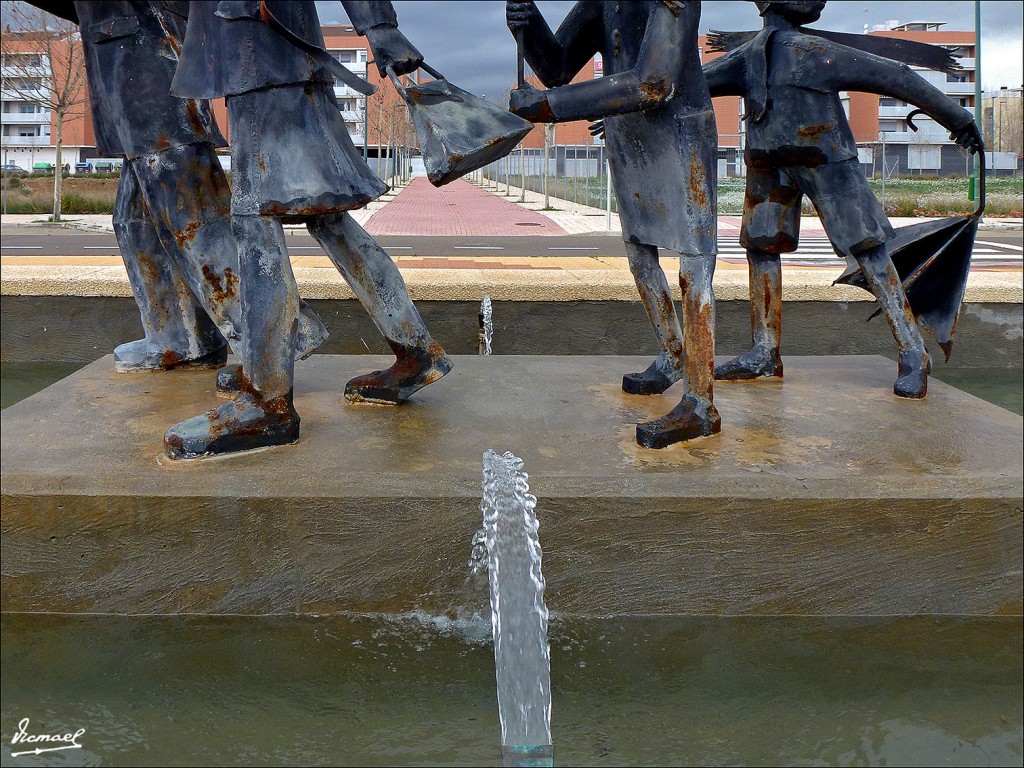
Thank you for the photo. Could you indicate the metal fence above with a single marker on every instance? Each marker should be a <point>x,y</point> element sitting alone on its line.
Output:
<point>579,172</point>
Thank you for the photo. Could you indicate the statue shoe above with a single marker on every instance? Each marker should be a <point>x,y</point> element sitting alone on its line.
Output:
<point>755,363</point>
<point>414,369</point>
<point>912,379</point>
<point>653,381</point>
<point>144,355</point>
<point>244,424</point>
<point>693,417</point>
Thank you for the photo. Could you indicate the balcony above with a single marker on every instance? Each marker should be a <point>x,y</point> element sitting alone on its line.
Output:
<point>25,118</point>
<point>958,89</point>
<point>25,141</point>
<point>898,112</point>
<point>342,91</point>
<point>967,63</point>
<point>10,93</point>
<point>351,116</point>
<point>33,71</point>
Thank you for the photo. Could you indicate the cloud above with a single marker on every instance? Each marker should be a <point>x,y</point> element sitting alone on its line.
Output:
<point>468,40</point>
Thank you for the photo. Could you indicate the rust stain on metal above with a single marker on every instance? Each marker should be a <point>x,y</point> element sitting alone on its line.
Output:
<point>697,177</point>
<point>170,358</point>
<point>194,120</point>
<point>221,290</point>
<point>187,234</point>
<point>655,90</point>
<point>814,131</point>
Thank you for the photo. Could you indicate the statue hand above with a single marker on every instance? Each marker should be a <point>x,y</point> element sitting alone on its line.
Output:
<point>531,104</point>
<point>519,14</point>
<point>597,129</point>
<point>392,48</point>
<point>969,137</point>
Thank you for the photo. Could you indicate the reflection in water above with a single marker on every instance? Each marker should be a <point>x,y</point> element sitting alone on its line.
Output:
<point>360,690</point>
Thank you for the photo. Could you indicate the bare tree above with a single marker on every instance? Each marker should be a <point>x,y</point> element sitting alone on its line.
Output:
<point>393,128</point>
<point>44,65</point>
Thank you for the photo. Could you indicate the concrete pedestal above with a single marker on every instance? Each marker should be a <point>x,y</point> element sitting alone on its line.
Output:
<point>824,495</point>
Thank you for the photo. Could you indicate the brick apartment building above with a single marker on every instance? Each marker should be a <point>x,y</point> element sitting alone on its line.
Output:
<point>381,122</point>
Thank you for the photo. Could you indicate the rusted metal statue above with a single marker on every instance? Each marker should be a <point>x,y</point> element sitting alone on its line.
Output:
<point>293,161</point>
<point>799,143</point>
<point>171,211</point>
<point>661,136</point>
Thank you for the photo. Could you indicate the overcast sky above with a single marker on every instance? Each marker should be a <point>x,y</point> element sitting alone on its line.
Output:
<point>467,40</point>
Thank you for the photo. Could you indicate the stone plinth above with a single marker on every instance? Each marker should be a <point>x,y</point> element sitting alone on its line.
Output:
<point>824,495</point>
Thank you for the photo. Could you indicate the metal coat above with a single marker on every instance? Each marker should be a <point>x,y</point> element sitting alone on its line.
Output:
<point>804,122</point>
<point>230,50</point>
<point>130,57</point>
<point>659,126</point>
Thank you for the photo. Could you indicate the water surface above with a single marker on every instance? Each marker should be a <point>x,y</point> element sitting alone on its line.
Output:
<point>421,691</point>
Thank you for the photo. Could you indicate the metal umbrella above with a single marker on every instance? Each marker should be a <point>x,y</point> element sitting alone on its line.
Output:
<point>933,260</point>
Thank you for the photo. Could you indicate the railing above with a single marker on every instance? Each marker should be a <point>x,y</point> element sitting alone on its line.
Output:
<point>25,118</point>
<point>26,141</point>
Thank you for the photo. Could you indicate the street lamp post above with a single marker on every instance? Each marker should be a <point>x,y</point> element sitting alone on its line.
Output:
<point>975,179</point>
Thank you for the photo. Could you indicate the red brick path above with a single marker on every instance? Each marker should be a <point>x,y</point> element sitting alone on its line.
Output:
<point>458,208</point>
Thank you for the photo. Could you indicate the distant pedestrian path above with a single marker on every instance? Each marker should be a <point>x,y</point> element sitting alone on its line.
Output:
<point>459,208</point>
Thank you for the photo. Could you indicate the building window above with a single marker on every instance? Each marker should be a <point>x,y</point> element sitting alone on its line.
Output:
<point>887,126</point>
<point>953,77</point>
<point>886,101</point>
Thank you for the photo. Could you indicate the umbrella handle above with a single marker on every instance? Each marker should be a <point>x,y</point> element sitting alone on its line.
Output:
<point>980,209</point>
<point>396,82</point>
<point>520,60</point>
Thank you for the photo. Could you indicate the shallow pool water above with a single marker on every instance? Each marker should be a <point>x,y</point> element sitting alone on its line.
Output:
<point>418,690</point>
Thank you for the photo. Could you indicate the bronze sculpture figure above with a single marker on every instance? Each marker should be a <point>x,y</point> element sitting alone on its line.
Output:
<point>268,59</point>
<point>171,209</point>
<point>661,137</point>
<point>799,143</point>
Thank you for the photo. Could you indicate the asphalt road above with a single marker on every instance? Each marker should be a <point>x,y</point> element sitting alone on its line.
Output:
<point>992,248</point>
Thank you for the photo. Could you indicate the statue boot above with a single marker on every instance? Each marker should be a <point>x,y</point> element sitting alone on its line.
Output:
<point>693,417</point>
<point>658,377</point>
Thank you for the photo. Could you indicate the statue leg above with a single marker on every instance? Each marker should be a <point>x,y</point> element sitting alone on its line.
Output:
<point>381,290</point>
<point>763,358</point>
<point>178,331</point>
<point>264,413</point>
<point>884,281</point>
<point>696,414</point>
<point>652,286</point>
<point>857,227</point>
<point>189,194</point>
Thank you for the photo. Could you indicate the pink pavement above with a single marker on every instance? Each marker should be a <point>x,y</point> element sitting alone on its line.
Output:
<point>458,208</point>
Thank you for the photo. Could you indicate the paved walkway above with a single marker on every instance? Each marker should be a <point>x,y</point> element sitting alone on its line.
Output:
<point>459,208</point>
